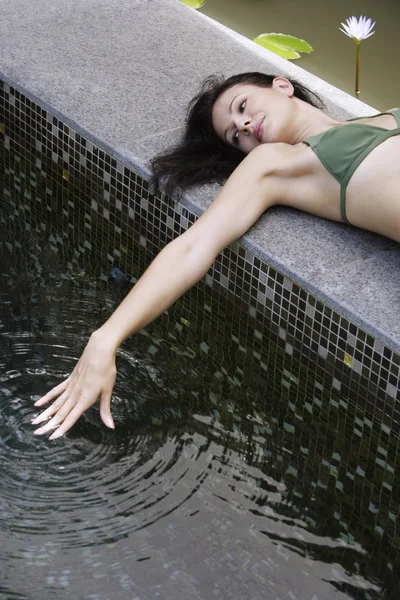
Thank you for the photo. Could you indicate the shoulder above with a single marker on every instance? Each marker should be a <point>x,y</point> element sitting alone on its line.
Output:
<point>265,158</point>
<point>269,169</point>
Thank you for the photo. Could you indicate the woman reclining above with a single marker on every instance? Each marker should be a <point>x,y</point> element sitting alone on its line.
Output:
<point>269,136</point>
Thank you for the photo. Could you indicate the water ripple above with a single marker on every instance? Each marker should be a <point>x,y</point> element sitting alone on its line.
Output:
<point>91,486</point>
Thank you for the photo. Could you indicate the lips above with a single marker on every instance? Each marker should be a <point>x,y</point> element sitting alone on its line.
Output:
<point>258,130</point>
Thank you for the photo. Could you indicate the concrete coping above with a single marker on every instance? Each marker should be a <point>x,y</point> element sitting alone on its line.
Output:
<point>121,72</point>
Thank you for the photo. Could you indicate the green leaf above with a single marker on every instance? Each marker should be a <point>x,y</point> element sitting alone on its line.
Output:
<point>193,3</point>
<point>286,46</point>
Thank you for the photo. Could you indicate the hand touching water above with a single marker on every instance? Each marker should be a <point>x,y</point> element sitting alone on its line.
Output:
<point>93,377</point>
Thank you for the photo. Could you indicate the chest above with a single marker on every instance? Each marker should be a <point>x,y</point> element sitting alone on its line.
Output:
<point>370,192</point>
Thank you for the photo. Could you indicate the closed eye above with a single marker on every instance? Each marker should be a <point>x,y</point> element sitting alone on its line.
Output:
<point>235,136</point>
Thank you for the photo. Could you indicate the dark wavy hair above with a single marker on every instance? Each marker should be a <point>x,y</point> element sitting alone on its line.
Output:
<point>201,156</point>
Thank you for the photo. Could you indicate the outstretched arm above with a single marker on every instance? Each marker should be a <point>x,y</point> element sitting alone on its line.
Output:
<point>182,263</point>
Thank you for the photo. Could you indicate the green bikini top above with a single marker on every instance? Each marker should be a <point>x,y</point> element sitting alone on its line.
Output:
<point>343,148</point>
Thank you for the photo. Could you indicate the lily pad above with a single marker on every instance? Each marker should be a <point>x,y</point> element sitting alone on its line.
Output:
<point>193,3</point>
<point>286,46</point>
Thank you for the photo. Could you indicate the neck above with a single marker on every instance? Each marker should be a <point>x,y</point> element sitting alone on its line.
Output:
<point>310,120</point>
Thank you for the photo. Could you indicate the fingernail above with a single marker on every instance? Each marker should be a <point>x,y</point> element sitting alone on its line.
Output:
<point>55,435</point>
<point>109,422</point>
<point>39,419</point>
<point>38,431</point>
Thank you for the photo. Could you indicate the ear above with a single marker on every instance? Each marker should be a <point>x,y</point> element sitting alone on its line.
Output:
<point>281,84</point>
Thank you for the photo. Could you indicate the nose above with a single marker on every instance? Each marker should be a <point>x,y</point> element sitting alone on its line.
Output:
<point>244,125</point>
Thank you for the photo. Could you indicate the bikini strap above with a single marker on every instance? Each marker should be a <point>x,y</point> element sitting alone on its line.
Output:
<point>396,113</point>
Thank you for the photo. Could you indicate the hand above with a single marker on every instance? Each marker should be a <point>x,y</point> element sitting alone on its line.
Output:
<point>93,378</point>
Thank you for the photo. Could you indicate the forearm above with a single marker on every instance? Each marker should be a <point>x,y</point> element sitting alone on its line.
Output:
<point>177,268</point>
<point>183,262</point>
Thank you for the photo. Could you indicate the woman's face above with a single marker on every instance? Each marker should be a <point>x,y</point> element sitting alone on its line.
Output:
<point>246,115</point>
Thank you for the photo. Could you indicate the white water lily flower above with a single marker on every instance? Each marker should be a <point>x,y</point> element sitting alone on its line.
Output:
<point>358,29</point>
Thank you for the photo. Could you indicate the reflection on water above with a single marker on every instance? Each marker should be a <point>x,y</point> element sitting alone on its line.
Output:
<point>219,480</point>
<point>318,23</point>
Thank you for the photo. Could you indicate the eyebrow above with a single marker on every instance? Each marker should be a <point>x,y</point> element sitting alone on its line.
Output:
<point>230,110</point>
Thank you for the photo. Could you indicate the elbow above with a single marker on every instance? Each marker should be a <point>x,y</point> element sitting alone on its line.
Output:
<point>196,254</point>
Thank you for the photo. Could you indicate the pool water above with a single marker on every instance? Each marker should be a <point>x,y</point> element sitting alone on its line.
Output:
<point>221,478</point>
<point>319,23</point>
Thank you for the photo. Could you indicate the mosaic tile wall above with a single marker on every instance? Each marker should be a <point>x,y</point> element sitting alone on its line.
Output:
<point>346,360</point>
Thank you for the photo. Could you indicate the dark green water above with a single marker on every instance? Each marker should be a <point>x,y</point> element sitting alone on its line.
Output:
<point>318,23</point>
<point>222,479</point>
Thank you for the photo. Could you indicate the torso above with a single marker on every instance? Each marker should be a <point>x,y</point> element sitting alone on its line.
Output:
<point>372,194</point>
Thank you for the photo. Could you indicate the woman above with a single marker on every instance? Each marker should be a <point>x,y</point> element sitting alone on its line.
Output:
<point>282,149</point>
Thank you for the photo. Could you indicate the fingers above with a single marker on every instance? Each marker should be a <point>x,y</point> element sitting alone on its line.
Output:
<point>69,421</point>
<point>52,410</point>
<point>70,412</point>
<point>56,391</point>
<point>105,411</point>
<point>65,417</point>
<point>93,377</point>
<point>60,414</point>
